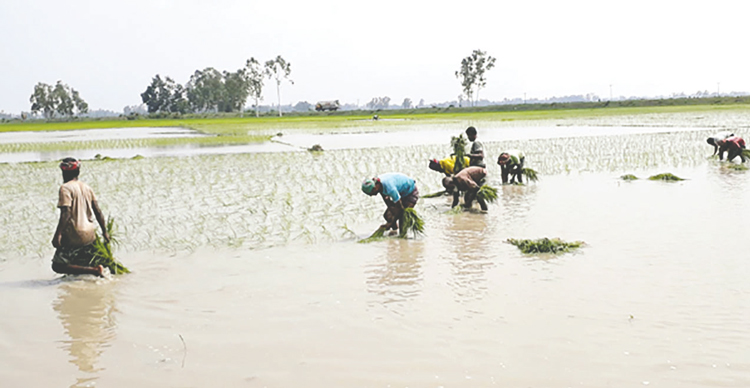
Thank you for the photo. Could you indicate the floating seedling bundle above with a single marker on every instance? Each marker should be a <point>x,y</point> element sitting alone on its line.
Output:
<point>734,167</point>
<point>665,177</point>
<point>487,193</point>
<point>104,255</point>
<point>629,177</point>
<point>544,245</point>
<point>530,174</point>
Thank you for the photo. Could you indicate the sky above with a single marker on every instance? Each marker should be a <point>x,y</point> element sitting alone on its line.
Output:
<point>353,50</point>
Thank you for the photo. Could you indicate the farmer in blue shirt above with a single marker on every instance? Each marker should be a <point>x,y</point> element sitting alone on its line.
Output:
<point>399,192</point>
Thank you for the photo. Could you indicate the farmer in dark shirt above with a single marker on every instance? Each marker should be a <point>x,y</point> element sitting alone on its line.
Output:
<point>468,180</point>
<point>476,155</point>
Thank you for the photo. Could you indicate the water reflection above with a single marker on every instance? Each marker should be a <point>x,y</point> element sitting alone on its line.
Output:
<point>86,310</point>
<point>468,237</point>
<point>397,275</point>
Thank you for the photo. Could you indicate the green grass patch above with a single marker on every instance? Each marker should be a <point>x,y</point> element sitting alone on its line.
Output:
<point>544,245</point>
<point>669,177</point>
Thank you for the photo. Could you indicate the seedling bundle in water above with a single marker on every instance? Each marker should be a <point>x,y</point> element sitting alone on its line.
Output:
<point>629,177</point>
<point>104,254</point>
<point>735,167</point>
<point>487,193</point>
<point>545,245</point>
<point>411,222</point>
<point>530,174</point>
<point>665,177</point>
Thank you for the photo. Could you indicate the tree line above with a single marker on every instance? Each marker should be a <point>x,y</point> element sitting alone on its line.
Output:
<point>210,90</point>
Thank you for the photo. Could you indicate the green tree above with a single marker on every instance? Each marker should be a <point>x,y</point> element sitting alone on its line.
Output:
<point>236,90</point>
<point>164,95</point>
<point>278,69</point>
<point>255,76</point>
<point>472,71</point>
<point>205,90</point>
<point>59,100</point>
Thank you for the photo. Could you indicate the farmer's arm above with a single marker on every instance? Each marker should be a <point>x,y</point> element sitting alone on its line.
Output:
<point>64,219</point>
<point>100,219</point>
<point>455,198</point>
<point>504,172</point>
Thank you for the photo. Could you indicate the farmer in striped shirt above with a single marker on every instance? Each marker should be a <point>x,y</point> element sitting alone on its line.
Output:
<point>511,163</point>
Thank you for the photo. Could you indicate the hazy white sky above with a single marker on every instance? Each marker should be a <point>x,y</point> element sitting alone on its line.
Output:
<point>354,50</point>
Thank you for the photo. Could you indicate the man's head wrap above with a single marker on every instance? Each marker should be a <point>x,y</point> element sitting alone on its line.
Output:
<point>70,164</point>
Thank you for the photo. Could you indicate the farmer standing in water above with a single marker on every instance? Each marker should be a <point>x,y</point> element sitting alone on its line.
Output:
<point>76,229</point>
<point>476,156</point>
<point>399,192</point>
<point>468,180</point>
<point>713,140</point>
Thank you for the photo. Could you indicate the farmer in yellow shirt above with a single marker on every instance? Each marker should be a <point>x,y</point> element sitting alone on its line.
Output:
<point>447,165</point>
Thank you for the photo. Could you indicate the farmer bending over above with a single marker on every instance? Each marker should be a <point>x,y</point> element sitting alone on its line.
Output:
<point>477,150</point>
<point>511,163</point>
<point>398,191</point>
<point>468,180</point>
<point>733,146</point>
<point>446,166</point>
<point>713,140</point>
<point>76,230</point>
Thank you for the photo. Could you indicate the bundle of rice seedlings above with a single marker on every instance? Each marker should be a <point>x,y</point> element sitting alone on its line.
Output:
<point>435,195</point>
<point>455,210</point>
<point>530,174</point>
<point>544,245</point>
<point>487,193</point>
<point>734,166</point>
<point>411,222</point>
<point>379,234</point>
<point>746,153</point>
<point>665,177</point>
<point>458,143</point>
<point>104,255</point>
<point>629,177</point>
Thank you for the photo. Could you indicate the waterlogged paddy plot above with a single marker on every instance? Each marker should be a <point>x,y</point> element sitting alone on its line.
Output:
<point>253,261</point>
<point>262,200</point>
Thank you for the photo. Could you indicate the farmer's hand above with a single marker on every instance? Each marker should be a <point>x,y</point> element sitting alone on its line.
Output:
<point>105,235</point>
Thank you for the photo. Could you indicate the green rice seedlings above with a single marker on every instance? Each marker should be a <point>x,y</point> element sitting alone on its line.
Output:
<point>487,193</point>
<point>665,177</point>
<point>629,177</point>
<point>436,194</point>
<point>458,143</point>
<point>411,222</point>
<point>379,234</point>
<point>530,174</point>
<point>734,167</point>
<point>544,245</point>
<point>104,255</point>
<point>746,153</point>
<point>455,210</point>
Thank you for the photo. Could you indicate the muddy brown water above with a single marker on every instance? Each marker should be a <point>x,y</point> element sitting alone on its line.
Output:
<point>246,272</point>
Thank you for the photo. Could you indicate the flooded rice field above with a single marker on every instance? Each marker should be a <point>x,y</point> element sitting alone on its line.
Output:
<point>247,272</point>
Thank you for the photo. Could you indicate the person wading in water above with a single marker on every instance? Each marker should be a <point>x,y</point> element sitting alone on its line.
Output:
<point>76,229</point>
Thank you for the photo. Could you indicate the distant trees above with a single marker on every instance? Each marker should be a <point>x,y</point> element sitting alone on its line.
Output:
<point>164,95</point>
<point>407,104</point>
<point>211,90</point>
<point>379,103</point>
<point>278,69</point>
<point>60,100</point>
<point>255,76</point>
<point>302,106</point>
<point>471,73</point>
